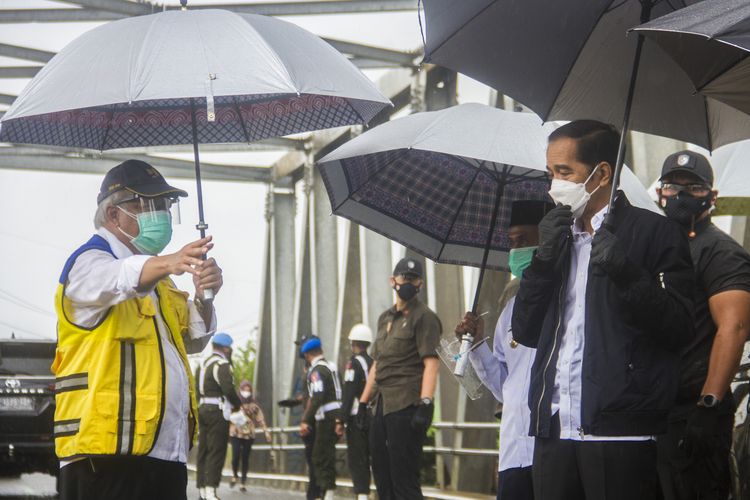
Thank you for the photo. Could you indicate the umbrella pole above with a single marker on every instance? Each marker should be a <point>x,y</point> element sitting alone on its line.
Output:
<point>500,190</point>
<point>201,226</point>
<point>645,17</point>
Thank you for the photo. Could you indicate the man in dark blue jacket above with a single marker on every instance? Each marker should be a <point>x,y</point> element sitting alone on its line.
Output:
<point>608,307</point>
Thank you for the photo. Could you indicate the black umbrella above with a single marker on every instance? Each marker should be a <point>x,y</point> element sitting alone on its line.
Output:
<point>711,42</point>
<point>572,60</point>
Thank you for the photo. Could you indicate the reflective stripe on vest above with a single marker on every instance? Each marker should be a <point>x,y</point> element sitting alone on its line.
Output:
<point>333,405</point>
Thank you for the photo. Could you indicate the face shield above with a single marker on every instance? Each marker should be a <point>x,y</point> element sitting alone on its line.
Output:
<point>148,209</point>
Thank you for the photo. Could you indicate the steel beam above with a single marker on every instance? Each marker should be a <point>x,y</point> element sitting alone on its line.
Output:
<point>269,9</point>
<point>19,71</point>
<point>17,52</point>
<point>19,16</point>
<point>324,278</point>
<point>119,6</point>
<point>30,159</point>
<point>317,7</point>
<point>377,53</point>
<point>282,286</point>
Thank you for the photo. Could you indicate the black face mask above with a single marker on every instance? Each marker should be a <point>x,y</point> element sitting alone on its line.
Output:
<point>406,291</point>
<point>684,209</point>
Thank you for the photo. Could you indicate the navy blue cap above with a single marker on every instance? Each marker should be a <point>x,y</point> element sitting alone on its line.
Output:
<point>139,178</point>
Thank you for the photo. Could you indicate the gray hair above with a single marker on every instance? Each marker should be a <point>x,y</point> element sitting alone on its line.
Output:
<point>100,217</point>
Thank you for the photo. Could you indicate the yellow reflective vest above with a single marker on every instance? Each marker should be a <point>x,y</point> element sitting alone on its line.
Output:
<point>110,379</point>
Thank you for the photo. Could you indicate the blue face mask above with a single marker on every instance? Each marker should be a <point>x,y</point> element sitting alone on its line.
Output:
<point>519,259</point>
<point>154,231</point>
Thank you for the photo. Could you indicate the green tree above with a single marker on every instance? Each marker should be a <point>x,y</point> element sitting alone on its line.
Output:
<point>243,363</point>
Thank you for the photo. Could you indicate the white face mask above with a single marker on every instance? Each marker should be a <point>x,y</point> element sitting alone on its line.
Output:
<point>572,194</point>
<point>246,394</point>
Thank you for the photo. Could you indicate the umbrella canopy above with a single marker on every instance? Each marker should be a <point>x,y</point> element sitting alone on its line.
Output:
<point>141,81</point>
<point>440,182</point>
<point>571,60</point>
<point>710,41</point>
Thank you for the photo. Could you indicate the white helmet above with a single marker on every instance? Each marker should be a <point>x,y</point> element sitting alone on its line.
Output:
<point>361,332</point>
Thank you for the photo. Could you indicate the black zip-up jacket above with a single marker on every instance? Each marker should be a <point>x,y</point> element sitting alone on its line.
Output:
<point>634,328</point>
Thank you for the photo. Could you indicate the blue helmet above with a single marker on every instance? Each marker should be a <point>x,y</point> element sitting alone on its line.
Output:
<point>222,339</point>
<point>310,344</point>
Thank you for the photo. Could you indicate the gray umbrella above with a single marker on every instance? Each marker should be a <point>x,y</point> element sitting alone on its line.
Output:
<point>189,77</point>
<point>710,41</point>
<point>572,60</point>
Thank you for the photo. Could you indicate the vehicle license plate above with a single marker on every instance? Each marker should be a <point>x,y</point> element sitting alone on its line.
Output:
<point>16,403</point>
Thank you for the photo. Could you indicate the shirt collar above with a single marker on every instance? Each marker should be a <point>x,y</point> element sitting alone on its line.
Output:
<point>410,304</point>
<point>119,248</point>
<point>596,221</point>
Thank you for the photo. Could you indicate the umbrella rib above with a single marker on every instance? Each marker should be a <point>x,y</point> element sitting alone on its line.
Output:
<point>242,122</point>
<point>709,139</point>
<point>458,212</point>
<point>373,177</point>
<point>109,127</point>
<point>455,32</point>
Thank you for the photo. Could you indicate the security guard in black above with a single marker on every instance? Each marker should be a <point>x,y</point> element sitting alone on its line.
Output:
<point>693,457</point>
<point>322,412</point>
<point>355,379</point>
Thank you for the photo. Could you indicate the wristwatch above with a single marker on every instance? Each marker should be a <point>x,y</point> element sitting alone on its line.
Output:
<point>426,401</point>
<point>708,401</point>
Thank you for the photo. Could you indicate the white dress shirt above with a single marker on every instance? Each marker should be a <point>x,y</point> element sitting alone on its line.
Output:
<point>506,371</point>
<point>98,281</point>
<point>566,395</point>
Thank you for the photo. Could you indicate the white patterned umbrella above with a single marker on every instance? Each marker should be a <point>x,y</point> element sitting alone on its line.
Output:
<point>189,77</point>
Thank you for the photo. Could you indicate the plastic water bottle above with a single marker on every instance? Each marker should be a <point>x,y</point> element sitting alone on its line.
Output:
<point>467,340</point>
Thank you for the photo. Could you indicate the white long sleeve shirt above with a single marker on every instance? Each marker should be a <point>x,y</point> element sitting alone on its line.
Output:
<point>506,371</point>
<point>98,281</point>
<point>566,395</point>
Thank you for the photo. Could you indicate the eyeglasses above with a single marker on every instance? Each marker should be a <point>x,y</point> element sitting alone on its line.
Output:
<point>695,190</point>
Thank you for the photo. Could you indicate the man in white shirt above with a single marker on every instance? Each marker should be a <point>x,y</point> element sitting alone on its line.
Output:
<point>126,411</point>
<point>608,307</point>
<point>506,370</point>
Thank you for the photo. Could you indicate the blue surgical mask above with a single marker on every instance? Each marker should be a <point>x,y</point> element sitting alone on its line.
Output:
<point>519,259</point>
<point>154,231</point>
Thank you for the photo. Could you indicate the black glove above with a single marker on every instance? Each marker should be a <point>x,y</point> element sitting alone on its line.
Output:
<point>701,432</point>
<point>608,256</point>
<point>554,229</point>
<point>361,419</point>
<point>422,418</point>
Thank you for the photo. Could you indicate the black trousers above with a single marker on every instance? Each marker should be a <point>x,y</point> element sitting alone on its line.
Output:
<point>324,453</point>
<point>241,453</point>
<point>358,457</point>
<point>688,475</point>
<point>123,478</point>
<point>313,490</point>
<point>515,484</point>
<point>213,438</point>
<point>594,470</point>
<point>396,454</point>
